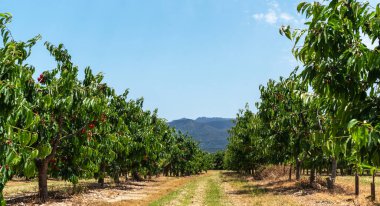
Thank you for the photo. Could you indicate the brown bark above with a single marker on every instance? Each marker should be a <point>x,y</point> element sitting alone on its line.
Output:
<point>136,176</point>
<point>298,169</point>
<point>312,175</point>
<point>290,171</point>
<point>116,178</point>
<point>42,166</point>
<point>102,173</point>
<point>356,184</point>
<point>331,179</point>
<point>373,187</point>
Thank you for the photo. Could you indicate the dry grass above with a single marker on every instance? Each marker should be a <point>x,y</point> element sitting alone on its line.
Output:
<point>239,190</point>
<point>127,193</point>
<point>271,172</point>
<point>280,191</point>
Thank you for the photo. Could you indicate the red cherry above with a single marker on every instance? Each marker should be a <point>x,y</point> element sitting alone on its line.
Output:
<point>83,131</point>
<point>92,126</point>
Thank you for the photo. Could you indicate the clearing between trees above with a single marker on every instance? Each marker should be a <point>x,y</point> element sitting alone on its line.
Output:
<point>212,188</point>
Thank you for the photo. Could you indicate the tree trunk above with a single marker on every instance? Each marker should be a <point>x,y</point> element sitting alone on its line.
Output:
<point>116,178</point>
<point>356,184</point>
<point>373,188</point>
<point>312,175</point>
<point>136,176</point>
<point>331,180</point>
<point>102,173</point>
<point>101,181</point>
<point>290,171</point>
<point>42,166</point>
<point>298,169</point>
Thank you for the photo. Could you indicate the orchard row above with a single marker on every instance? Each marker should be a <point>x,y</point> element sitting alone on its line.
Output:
<point>63,127</point>
<point>326,114</point>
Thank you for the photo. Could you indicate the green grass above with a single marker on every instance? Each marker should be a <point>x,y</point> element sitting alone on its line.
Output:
<point>213,193</point>
<point>190,193</point>
<point>165,200</point>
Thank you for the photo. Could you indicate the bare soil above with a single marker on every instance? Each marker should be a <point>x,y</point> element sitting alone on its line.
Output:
<point>247,191</point>
<point>127,193</point>
<point>236,190</point>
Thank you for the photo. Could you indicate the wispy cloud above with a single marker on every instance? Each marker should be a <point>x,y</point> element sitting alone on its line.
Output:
<point>269,17</point>
<point>275,15</point>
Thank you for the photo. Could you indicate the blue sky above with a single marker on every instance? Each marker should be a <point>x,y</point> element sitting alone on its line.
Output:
<point>187,58</point>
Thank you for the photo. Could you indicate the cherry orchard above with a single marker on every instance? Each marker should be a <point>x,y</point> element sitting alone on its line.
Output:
<point>63,127</point>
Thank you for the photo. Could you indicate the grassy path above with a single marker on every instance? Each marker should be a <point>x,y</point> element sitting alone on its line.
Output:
<point>216,188</point>
<point>205,190</point>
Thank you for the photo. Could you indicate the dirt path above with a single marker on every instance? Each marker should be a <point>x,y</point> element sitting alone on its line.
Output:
<point>205,190</point>
<point>140,194</point>
<point>129,193</point>
<point>199,195</point>
<point>216,188</point>
<point>235,196</point>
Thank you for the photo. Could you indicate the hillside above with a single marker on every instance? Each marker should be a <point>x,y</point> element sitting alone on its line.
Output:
<point>211,133</point>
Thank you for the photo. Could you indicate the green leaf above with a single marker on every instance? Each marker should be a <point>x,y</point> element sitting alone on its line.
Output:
<point>44,150</point>
<point>30,168</point>
<point>33,139</point>
<point>300,6</point>
<point>352,123</point>
<point>13,158</point>
<point>34,154</point>
<point>25,138</point>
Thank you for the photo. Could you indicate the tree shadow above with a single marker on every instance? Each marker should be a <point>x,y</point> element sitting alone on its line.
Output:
<point>64,193</point>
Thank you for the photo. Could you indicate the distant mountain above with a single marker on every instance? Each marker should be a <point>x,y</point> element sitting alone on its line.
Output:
<point>211,133</point>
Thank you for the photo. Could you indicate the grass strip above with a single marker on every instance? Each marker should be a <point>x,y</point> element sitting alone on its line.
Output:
<point>213,193</point>
<point>189,189</point>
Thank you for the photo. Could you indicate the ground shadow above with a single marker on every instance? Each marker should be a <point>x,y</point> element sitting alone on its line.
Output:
<point>278,187</point>
<point>66,192</point>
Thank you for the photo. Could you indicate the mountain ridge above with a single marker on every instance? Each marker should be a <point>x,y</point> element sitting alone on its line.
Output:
<point>210,132</point>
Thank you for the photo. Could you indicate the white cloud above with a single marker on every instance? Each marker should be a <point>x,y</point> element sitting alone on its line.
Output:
<point>269,17</point>
<point>286,16</point>
<point>274,15</point>
<point>258,17</point>
<point>274,5</point>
